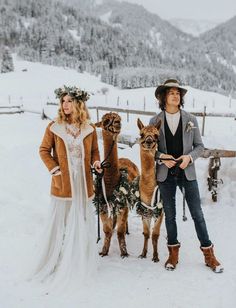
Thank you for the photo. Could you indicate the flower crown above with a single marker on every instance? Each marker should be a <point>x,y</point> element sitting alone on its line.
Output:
<point>73,92</point>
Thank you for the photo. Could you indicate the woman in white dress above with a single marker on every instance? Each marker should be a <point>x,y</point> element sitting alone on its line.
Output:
<point>69,149</point>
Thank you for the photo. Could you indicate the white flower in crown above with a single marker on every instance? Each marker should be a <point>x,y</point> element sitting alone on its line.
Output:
<point>74,91</point>
<point>190,126</point>
<point>159,205</point>
<point>137,194</point>
<point>123,190</point>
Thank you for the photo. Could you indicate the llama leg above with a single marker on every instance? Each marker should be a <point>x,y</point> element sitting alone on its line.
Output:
<point>121,230</point>
<point>155,237</point>
<point>107,229</point>
<point>146,234</point>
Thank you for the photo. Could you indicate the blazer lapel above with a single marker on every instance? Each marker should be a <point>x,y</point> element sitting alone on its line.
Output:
<point>162,117</point>
<point>184,117</point>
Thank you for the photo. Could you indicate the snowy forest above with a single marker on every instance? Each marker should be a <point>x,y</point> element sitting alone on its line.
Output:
<point>123,43</point>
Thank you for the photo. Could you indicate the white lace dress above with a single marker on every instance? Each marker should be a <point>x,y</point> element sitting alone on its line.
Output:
<point>70,253</point>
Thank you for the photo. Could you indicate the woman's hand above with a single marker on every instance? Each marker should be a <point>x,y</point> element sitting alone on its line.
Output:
<point>97,166</point>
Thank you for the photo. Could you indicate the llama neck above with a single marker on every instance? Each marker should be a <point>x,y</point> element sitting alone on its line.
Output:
<point>147,181</point>
<point>112,174</point>
<point>148,166</point>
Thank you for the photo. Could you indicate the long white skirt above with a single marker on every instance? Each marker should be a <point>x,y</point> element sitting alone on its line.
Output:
<point>70,255</point>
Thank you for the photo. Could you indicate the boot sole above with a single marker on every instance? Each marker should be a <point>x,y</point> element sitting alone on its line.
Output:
<point>217,272</point>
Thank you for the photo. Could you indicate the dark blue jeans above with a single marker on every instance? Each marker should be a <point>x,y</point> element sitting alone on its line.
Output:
<point>168,193</point>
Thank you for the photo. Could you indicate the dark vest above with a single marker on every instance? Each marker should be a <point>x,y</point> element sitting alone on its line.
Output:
<point>174,143</point>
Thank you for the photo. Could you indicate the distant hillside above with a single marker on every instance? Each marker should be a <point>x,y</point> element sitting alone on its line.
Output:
<point>125,44</point>
<point>193,27</point>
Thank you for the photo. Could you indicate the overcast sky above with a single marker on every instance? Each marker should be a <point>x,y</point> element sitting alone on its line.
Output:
<point>194,9</point>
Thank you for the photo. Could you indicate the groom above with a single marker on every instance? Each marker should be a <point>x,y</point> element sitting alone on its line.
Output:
<point>180,139</point>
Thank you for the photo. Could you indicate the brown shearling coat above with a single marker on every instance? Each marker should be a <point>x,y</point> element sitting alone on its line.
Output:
<point>54,153</point>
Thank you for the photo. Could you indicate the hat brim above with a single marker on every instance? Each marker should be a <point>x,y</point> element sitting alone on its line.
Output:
<point>162,88</point>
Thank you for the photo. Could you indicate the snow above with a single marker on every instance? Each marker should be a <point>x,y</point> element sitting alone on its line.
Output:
<point>156,36</point>
<point>194,27</point>
<point>106,17</point>
<point>223,61</point>
<point>131,282</point>
<point>75,35</point>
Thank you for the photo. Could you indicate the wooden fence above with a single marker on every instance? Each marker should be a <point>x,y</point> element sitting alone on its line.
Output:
<point>203,114</point>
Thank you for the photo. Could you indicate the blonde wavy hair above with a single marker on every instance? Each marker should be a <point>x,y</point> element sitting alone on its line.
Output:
<point>80,113</point>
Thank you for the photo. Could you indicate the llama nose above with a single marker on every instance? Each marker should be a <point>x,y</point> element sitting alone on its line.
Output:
<point>117,126</point>
<point>149,140</point>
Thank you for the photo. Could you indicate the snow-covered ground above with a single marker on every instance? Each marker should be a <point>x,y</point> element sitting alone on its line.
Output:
<point>131,282</point>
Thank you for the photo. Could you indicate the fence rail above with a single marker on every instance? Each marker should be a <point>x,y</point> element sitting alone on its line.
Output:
<point>5,109</point>
<point>218,153</point>
<point>151,113</point>
<point>10,107</point>
<point>128,111</point>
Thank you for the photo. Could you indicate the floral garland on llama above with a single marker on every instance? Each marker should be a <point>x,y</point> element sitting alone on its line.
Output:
<point>119,199</point>
<point>134,199</point>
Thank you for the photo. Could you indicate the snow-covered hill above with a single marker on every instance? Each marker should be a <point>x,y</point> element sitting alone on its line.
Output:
<point>32,84</point>
<point>131,282</point>
<point>194,27</point>
<point>129,46</point>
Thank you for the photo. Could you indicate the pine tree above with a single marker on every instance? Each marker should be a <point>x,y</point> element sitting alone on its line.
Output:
<point>7,62</point>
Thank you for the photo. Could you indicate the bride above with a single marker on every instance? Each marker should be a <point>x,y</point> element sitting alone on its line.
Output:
<point>68,150</point>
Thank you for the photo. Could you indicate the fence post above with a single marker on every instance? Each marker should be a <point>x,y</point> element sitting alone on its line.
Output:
<point>203,120</point>
<point>118,101</point>
<point>97,111</point>
<point>144,103</point>
<point>127,111</point>
<point>9,99</point>
<point>43,116</point>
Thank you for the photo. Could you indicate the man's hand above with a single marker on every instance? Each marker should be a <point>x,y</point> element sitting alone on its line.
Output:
<point>185,161</point>
<point>168,163</point>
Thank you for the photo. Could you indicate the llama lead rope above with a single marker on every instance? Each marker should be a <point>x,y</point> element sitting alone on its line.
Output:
<point>176,171</point>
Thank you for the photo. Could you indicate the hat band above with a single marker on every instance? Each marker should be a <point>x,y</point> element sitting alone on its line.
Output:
<point>172,84</point>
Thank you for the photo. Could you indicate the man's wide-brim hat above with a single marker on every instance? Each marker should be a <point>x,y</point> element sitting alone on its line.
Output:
<point>169,83</point>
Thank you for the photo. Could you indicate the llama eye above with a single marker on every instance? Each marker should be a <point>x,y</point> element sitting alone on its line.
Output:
<point>142,135</point>
<point>106,122</point>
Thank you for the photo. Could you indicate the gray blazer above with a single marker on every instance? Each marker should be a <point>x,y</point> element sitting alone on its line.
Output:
<point>192,144</point>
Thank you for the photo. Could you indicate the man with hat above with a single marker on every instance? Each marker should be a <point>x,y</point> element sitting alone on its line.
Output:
<point>180,144</point>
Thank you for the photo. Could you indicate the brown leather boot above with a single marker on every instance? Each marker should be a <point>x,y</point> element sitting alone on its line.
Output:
<point>173,257</point>
<point>211,260</point>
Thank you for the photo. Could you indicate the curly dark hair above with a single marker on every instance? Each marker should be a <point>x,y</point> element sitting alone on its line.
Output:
<point>162,99</point>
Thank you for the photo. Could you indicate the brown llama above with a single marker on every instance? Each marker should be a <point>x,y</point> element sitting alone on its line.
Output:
<point>111,126</point>
<point>147,185</point>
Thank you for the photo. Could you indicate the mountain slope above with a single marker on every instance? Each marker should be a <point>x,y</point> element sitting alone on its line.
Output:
<point>128,46</point>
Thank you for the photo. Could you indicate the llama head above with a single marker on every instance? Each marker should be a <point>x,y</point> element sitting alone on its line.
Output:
<point>111,123</point>
<point>149,135</point>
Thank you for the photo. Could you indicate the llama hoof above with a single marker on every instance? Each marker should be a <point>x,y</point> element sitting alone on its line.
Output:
<point>155,259</point>
<point>103,254</point>
<point>170,267</point>
<point>124,255</point>
<point>142,256</point>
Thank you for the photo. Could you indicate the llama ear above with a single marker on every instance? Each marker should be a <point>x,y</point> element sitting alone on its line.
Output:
<point>158,124</point>
<point>140,124</point>
<point>98,124</point>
